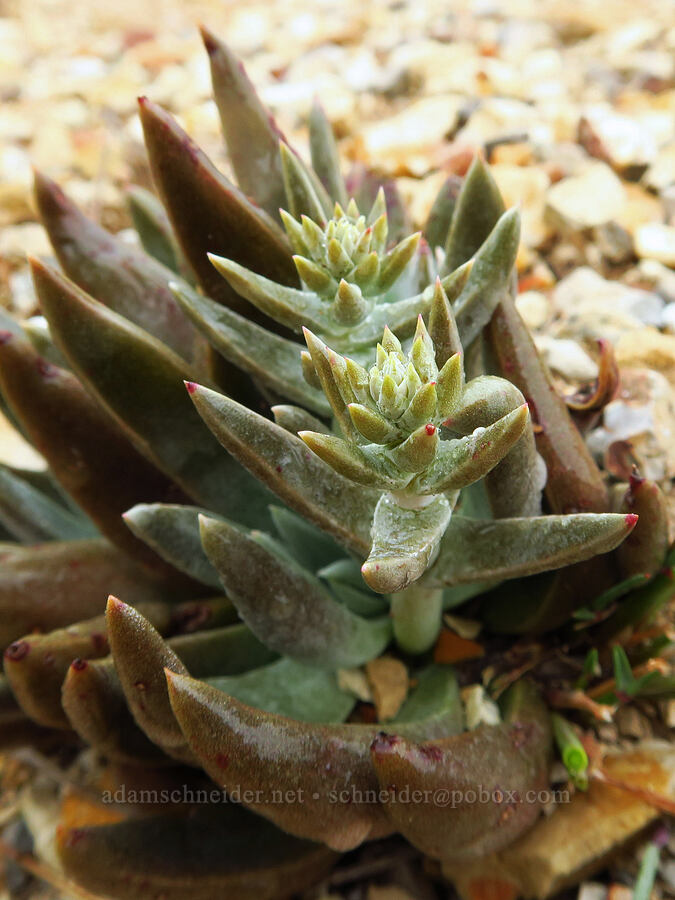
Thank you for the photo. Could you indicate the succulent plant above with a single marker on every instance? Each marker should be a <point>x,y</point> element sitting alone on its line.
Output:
<point>251,561</point>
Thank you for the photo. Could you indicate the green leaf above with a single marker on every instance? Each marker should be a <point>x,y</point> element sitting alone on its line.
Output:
<point>303,195</point>
<point>281,461</point>
<point>87,451</point>
<point>325,157</point>
<point>294,419</point>
<point>154,230</point>
<point>288,688</point>
<point>138,380</point>
<point>477,209</point>
<point>436,696</point>
<point>513,487</point>
<point>489,277</point>
<point>474,549</point>
<point>461,462</point>
<point>310,548</point>
<point>173,532</point>
<point>118,275</point>
<point>31,516</point>
<point>438,223</point>
<point>405,542</point>
<point>251,134</point>
<point>286,607</point>
<point>272,360</point>
<point>286,305</point>
<point>208,213</point>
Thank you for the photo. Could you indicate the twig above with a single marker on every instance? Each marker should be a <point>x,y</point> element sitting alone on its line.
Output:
<point>45,873</point>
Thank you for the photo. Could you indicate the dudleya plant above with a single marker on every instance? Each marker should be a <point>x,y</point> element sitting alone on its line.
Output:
<point>251,561</point>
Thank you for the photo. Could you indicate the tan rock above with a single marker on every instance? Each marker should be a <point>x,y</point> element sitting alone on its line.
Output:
<point>586,200</point>
<point>578,838</point>
<point>649,348</point>
<point>525,186</point>
<point>388,679</point>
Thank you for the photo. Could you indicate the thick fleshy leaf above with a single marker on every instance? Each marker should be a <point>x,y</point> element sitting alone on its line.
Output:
<point>489,277</point>
<point>438,223</point>
<point>312,549</point>
<point>436,694</point>
<point>304,197</point>
<point>325,158</point>
<point>139,381</point>
<point>402,316</point>
<point>364,466</point>
<point>292,689</point>
<point>287,305</point>
<point>282,461</point>
<point>346,583</point>
<point>37,664</point>
<point>477,208</point>
<point>85,448</point>
<point>55,584</point>
<point>154,229</point>
<point>118,275</point>
<point>269,358</point>
<point>405,542</point>
<point>461,462</point>
<point>36,329</point>
<point>475,549</point>
<point>93,699</point>
<point>173,533</point>
<point>241,747</point>
<point>485,775</point>
<point>513,488</point>
<point>294,419</point>
<point>218,850</point>
<point>32,516</point>
<point>286,607</point>
<point>574,482</point>
<point>251,134</point>
<point>140,656</point>
<point>208,213</point>
<point>645,548</point>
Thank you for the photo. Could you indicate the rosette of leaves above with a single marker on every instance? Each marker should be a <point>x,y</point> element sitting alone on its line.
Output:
<point>254,559</point>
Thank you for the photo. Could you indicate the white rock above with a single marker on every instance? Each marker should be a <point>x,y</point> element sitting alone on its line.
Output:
<point>661,173</point>
<point>534,307</point>
<point>643,414</point>
<point>566,358</point>
<point>625,140</point>
<point>661,278</point>
<point>587,200</point>
<point>656,241</point>
<point>585,291</point>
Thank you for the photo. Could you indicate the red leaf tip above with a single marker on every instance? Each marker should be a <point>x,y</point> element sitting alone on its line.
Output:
<point>17,651</point>
<point>5,337</point>
<point>191,386</point>
<point>631,520</point>
<point>430,429</point>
